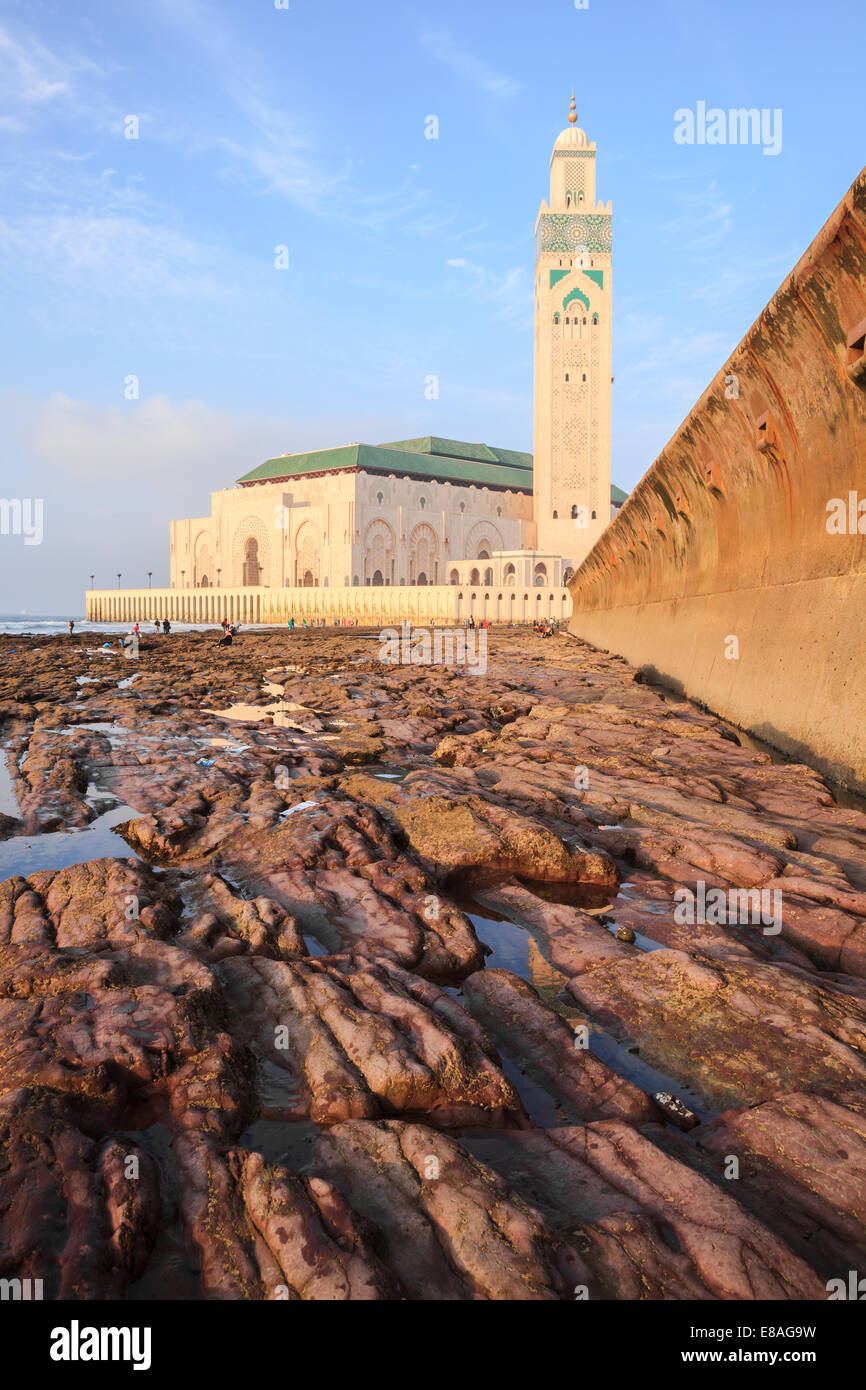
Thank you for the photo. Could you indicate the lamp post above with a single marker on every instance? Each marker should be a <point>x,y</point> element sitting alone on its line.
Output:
<point>118,579</point>
<point>92,577</point>
<point>149,577</point>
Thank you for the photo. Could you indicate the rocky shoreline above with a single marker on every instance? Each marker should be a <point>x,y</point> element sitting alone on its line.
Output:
<point>328,979</point>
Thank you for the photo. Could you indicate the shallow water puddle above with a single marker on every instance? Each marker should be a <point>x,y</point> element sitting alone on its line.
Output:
<point>8,799</point>
<point>507,944</point>
<point>628,1064</point>
<point>25,854</point>
<point>283,1141</point>
<point>517,949</point>
<point>245,712</point>
<point>314,946</point>
<point>301,806</point>
<point>643,943</point>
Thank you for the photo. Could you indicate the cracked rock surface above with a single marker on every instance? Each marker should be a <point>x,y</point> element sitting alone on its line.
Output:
<point>322,978</point>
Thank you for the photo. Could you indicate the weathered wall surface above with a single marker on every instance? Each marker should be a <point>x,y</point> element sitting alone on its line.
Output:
<point>724,573</point>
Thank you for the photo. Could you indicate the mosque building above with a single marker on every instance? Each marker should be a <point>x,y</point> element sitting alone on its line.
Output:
<point>431,528</point>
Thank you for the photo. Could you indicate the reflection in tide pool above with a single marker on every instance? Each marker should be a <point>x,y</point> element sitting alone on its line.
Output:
<point>24,854</point>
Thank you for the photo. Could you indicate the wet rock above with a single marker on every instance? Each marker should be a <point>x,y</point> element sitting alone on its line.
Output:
<point>448,1227</point>
<point>802,1161</point>
<point>79,1214</point>
<point>674,1111</point>
<point>547,1048</point>
<point>573,940</point>
<point>725,1028</point>
<point>262,1233</point>
<point>369,1040</point>
<point>645,1225</point>
<point>450,834</point>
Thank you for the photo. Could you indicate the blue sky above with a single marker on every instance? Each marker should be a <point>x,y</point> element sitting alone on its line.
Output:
<point>408,257</point>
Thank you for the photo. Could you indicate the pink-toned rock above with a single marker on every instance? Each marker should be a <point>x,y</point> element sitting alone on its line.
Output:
<point>542,1042</point>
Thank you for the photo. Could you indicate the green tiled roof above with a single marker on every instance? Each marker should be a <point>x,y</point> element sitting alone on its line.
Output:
<point>617,494</point>
<point>450,460</point>
<point>457,449</point>
<point>446,459</point>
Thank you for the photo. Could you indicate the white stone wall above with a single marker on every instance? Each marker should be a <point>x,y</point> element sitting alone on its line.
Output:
<point>334,531</point>
<point>303,527</point>
<point>420,528</point>
<point>366,606</point>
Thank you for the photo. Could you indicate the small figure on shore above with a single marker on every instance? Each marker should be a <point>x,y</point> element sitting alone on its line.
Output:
<point>70,625</point>
<point>225,640</point>
<point>156,624</point>
<point>291,624</point>
<point>166,626</point>
<point>471,621</point>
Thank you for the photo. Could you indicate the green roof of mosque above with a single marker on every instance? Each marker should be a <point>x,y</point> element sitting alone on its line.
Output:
<point>448,460</point>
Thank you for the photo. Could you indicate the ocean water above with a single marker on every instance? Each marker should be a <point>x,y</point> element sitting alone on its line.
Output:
<point>40,626</point>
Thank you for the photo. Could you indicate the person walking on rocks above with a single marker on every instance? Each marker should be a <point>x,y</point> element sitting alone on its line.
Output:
<point>70,625</point>
<point>166,626</point>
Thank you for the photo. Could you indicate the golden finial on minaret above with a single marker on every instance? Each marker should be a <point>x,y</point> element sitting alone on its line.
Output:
<point>572,115</point>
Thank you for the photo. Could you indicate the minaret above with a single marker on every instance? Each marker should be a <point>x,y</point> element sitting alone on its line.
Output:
<point>572,353</point>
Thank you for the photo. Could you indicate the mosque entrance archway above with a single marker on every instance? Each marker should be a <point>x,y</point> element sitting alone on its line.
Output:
<point>252,567</point>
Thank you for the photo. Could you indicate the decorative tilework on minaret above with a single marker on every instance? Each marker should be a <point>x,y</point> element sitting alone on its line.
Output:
<point>572,352</point>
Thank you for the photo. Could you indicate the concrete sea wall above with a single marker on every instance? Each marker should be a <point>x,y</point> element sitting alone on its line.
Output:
<point>736,570</point>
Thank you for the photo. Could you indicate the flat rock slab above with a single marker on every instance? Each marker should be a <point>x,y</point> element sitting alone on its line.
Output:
<point>725,1028</point>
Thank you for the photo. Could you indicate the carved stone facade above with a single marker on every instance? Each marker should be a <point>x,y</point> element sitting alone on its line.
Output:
<point>573,343</point>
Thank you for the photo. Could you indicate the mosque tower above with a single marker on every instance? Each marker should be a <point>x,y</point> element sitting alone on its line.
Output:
<point>572,353</point>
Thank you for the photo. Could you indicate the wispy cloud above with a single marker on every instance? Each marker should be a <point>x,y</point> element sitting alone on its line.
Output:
<point>34,78</point>
<point>441,45</point>
<point>111,256</point>
<point>735,282</point>
<point>510,293</point>
<point>705,220</point>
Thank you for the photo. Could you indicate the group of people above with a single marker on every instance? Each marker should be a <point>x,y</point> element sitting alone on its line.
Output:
<point>545,628</point>
<point>322,622</point>
<point>230,631</point>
